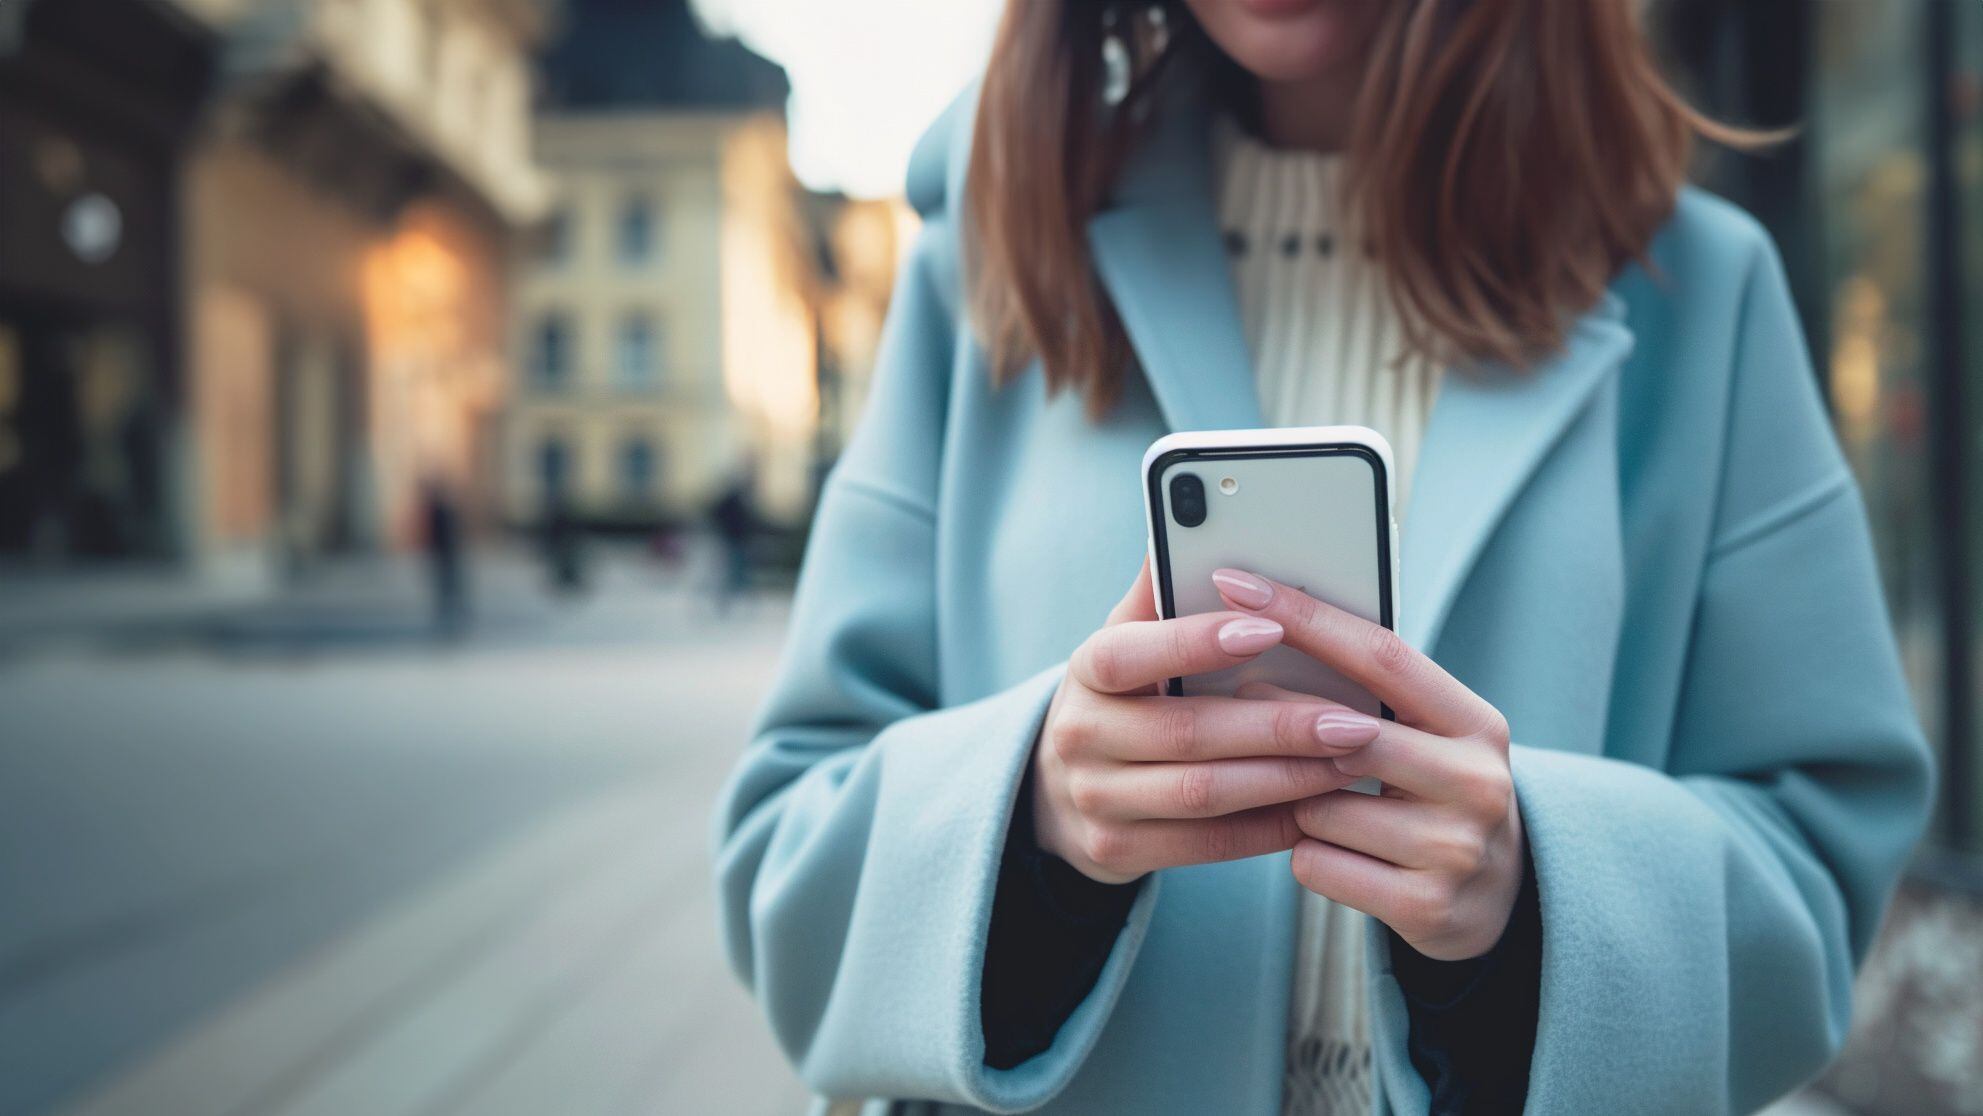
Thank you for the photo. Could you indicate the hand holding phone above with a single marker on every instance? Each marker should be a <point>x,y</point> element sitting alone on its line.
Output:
<point>1127,780</point>
<point>1438,855</point>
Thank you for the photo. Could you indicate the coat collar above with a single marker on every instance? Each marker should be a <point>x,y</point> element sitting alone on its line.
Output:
<point>1159,251</point>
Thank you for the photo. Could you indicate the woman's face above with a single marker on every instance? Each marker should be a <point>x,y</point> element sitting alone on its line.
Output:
<point>1290,40</point>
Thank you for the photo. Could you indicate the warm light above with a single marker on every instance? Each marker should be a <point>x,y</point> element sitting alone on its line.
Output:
<point>770,357</point>
<point>867,241</point>
<point>1855,363</point>
<point>413,290</point>
<point>434,360</point>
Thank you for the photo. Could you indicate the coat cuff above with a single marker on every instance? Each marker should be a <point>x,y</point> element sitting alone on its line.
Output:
<point>911,980</point>
<point>1633,881</point>
<point>1052,931</point>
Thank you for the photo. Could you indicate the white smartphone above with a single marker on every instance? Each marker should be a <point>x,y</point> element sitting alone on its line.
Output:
<point>1308,506</point>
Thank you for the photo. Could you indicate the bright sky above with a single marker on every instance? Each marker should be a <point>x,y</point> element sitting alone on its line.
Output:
<point>867,76</point>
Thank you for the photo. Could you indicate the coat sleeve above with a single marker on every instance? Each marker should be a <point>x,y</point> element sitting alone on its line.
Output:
<point>1701,924</point>
<point>859,839</point>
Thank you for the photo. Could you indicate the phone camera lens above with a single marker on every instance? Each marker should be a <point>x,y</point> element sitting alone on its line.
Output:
<point>1187,499</point>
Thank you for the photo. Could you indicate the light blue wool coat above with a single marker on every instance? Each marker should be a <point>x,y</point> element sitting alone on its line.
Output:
<point>1647,552</point>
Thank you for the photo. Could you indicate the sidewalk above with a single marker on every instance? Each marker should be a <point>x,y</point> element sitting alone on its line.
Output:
<point>362,601</point>
<point>574,969</point>
<point>63,606</point>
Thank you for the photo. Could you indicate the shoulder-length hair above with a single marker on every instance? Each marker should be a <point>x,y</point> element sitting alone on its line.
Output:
<point>1508,157</point>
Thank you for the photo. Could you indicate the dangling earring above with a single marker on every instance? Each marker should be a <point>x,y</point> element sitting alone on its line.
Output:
<point>1123,47</point>
<point>1115,58</point>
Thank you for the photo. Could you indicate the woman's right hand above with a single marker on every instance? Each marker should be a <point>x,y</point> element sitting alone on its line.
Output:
<point>1127,780</point>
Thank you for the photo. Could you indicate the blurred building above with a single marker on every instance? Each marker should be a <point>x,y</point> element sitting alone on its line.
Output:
<point>255,292</point>
<point>686,314</point>
<point>349,216</point>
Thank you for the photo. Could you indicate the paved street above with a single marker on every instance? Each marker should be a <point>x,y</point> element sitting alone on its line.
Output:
<point>373,873</point>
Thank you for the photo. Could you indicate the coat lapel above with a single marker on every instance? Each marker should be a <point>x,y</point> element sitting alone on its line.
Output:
<point>1489,431</point>
<point>1159,252</point>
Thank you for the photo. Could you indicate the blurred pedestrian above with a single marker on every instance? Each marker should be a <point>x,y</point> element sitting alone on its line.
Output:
<point>562,540</point>
<point>735,520</point>
<point>447,572</point>
<point>977,857</point>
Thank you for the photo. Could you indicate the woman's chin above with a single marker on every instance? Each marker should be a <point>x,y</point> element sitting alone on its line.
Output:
<point>1302,43</point>
<point>1292,58</point>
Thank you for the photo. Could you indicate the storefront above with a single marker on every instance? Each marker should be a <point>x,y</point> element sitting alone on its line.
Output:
<point>349,212</point>
<point>97,103</point>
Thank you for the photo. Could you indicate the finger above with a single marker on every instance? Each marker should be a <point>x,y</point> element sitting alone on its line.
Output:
<point>1140,603</point>
<point>1460,772</point>
<point>1213,788</point>
<point>1371,655</point>
<point>1134,848</point>
<point>1139,654</point>
<point>1267,691</point>
<point>1397,831</point>
<point>1398,897</point>
<point>1183,729</point>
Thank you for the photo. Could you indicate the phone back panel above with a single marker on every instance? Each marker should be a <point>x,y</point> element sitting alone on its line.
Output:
<point>1317,518</point>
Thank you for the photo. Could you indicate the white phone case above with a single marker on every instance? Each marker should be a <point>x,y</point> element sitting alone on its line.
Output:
<point>1307,506</point>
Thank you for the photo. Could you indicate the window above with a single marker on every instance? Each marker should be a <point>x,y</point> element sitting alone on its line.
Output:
<point>634,351</point>
<point>551,351</point>
<point>636,469</point>
<point>634,233</point>
<point>553,466</point>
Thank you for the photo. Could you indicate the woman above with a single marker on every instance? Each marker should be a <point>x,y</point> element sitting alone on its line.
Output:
<point>973,860</point>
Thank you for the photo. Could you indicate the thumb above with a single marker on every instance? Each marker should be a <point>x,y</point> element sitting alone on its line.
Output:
<point>1139,603</point>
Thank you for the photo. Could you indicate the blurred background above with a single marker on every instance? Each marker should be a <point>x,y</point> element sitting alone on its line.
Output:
<point>410,414</point>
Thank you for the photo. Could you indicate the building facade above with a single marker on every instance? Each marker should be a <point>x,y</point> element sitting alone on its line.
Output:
<point>350,214</point>
<point>670,204</point>
<point>260,305</point>
<point>621,409</point>
<point>693,319</point>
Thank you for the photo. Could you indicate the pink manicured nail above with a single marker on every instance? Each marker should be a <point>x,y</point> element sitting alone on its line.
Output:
<point>1248,636</point>
<point>1242,588</point>
<point>1344,728</point>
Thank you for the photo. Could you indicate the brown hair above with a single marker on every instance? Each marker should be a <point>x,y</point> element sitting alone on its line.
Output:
<point>1507,158</point>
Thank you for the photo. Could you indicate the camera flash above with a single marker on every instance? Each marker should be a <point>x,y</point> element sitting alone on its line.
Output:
<point>1228,485</point>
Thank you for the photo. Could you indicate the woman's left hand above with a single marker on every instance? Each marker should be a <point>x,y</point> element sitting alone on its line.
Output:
<point>1438,856</point>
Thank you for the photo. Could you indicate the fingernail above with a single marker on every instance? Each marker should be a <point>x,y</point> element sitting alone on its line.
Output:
<point>1344,728</point>
<point>1248,635</point>
<point>1242,588</point>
